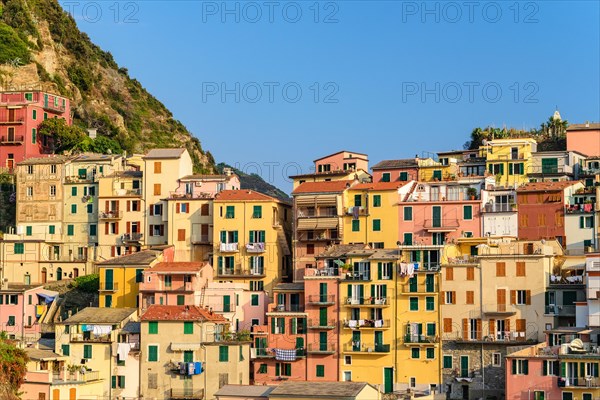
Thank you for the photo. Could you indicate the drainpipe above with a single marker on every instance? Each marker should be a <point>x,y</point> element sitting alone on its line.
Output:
<point>481,316</point>
<point>396,317</point>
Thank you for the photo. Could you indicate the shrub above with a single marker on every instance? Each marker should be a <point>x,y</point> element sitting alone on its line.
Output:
<point>88,283</point>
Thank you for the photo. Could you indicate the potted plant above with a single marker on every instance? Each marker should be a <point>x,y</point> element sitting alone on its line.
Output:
<point>346,268</point>
<point>472,193</point>
<point>498,178</point>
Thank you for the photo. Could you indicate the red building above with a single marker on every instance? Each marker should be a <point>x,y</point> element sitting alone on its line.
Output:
<point>541,209</point>
<point>396,170</point>
<point>21,113</point>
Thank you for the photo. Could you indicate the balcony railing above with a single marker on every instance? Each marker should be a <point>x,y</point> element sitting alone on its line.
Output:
<point>15,121</point>
<point>359,212</point>
<point>366,323</point>
<point>466,259</point>
<point>228,247</point>
<point>408,288</point>
<point>363,275</point>
<point>257,247</point>
<point>288,308</point>
<point>200,239</point>
<point>585,208</point>
<point>502,309</point>
<point>499,207</point>
<point>416,338</point>
<point>359,347</point>
<point>187,394</point>
<point>326,235</point>
<point>109,286</point>
<point>566,280</point>
<point>441,223</point>
<point>132,237</point>
<point>17,139</point>
<point>90,337</point>
<point>89,178</point>
<point>177,287</point>
<point>319,324</point>
<point>321,299</point>
<point>586,382</point>
<point>321,348</point>
<point>117,214</point>
<point>322,272</point>
<point>239,271</point>
<point>560,311</point>
<point>262,352</point>
<point>367,301</point>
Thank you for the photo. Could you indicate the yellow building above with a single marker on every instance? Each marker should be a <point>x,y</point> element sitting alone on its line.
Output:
<point>510,160</point>
<point>250,237</point>
<point>120,278</point>
<point>431,170</point>
<point>376,220</point>
<point>86,340</point>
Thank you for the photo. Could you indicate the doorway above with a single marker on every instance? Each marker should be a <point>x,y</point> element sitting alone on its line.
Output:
<point>388,380</point>
<point>465,392</point>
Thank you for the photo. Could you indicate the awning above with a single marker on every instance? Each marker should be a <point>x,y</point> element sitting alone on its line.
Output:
<point>48,298</point>
<point>309,224</point>
<point>322,200</point>
<point>185,346</point>
<point>306,224</point>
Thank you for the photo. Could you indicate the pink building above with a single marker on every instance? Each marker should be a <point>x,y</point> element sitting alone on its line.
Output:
<point>23,308</point>
<point>584,138</point>
<point>174,283</point>
<point>403,170</point>
<point>342,161</point>
<point>21,113</point>
<point>432,214</point>
<point>205,186</point>
<point>280,346</point>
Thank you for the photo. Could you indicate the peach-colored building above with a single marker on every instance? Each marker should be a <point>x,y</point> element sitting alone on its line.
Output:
<point>584,138</point>
<point>406,169</point>
<point>22,308</point>
<point>342,161</point>
<point>174,283</point>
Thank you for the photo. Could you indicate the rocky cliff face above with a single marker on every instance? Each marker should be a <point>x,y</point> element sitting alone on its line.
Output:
<point>41,47</point>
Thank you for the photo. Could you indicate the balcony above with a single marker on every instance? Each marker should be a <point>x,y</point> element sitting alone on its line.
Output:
<point>14,121</point>
<point>186,394</point>
<point>556,280</point>
<point>361,348</point>
<point>228,247</point>
<point>185,196</point>
<point>288,308</point>
<point>366,324</point>
<point>416,339</point>
<point>362,211</point>
<point>584,382</point>
<point>321,348</point>
<point>367,301</point>
<point>321,299</point>
<point>499,207</point>
<point>362,275</point>
<point>257,247</point>
<point>241,272</point>
<point>464,260</point>
<point>200,239</point>
<point>441,225</point>
<point>127,192</point>
<point>110,215</point>
<point>86,337</point>
<point>586,208</point>
<point>261,352</point>
<point>408,289</point>
<point>109,286</point>
<point>177,287</point>
<point>132,237</point>
<point>17,139</point>
<point>324,236</point>
<point>485,337</point>
<point>499,309</point>
<point>321,325</point>
<point>89,178</point>
<point>560,311</point>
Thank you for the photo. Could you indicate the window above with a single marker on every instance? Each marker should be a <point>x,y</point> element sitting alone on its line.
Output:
<point>51,229</point>
<point>520,367</point>
<point>357,200</point>
<point>157,167</point>
<point>19,248</point>
<point>497,359</point>
<point>430,353</point>
<point>12,299</point>
<point>28,230</point>
<point>448,362</point>
<point>11,320</point>
<point>262,369</point>
<point>310,248</point>
<point>320,371</point>
<point>70,230</point>
<point>153,327</point>
<point>74,191</point>
<point>408,213</point>
<point>254,300</point>
<point>377,200</point>
<point>467,212</point>
<point>157,189</point>
<point>29,191</point>
<point>347,360</point>
<point>230,212</point>
<point>188,328</point>
<point>181,235</point>
<point>586,222</point>
<point>152,353</point>
<point>385,177</point>
<point>408,236</point>
<point>223,353</point>
<point>73,208</point>
<point>414,304</point>
<point>449,273</point>
<point>28,96</point>
<point>415,353</point>
<point>376,225</point>
<point>66,350</point>
<point>156,209</point>
<point>52,190</point>
<point>521,297</point>
<point>429,303</point>
<point>180,300</point>
<point>257,212</point>
<point>347,376</point>
<point>470,297</point>
<point>87,351</point>
<point>500,269</point>
<point>470,273</point>
<point>450,298</point>
<point>430,329</point>
<point>93,230</point>
<point>30,170</point>
<point>355,225</point>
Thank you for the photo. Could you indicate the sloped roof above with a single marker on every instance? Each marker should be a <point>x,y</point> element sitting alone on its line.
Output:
<point>245,391</point>
<point>98,315</point>
<point>318,390</point>
<point>391,164</point>
<point>243,195</point>
<point>339,152</point>
<point>322,187</point>
<point>178,266</point>
<point>584,127</point>
<point>144,257</point>
<point>546,186</point>
<point>379,186</point>
<point>180,313</point>
<point>44,160</point>
<point>164,153</point>
<point>41,354</point>
<point>340,250</point>
<point>289,286</point>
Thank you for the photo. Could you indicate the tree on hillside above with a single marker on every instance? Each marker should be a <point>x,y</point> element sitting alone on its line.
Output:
<point>13,366</point>
<point>61,135</point>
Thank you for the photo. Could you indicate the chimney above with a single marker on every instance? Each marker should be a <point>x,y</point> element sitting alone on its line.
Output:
<point>587,124</point>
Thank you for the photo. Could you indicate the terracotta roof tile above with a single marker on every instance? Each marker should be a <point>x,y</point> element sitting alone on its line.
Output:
<point>180,313</point>
<point>392,164</point>
<point>546,186</point>
<point>164,153</point>
<point>178,266</point>
<point>379,186</point>
<point>323,187</point>
<point>242,195</point>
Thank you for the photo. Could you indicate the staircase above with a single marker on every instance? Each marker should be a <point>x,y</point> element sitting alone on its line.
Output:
<point>412,189</point>
<point>282,240</point>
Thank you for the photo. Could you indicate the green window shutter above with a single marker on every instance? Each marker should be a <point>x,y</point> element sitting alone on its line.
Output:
<point>294,326</point>
<point>377,200</point>
<point>254,300</point>
<point>510,168</point>
<point>429,303</point>
<point>320,371</point>
<point>180,300</point>
<point>66,350</point>
<point>467,212</point>
<point>414,304</point>
<point>545,368</point>
<point>514,367</point>
<point>19,248</point>
<point>93,230</point>
<point>349,290</point>
<point>230,213</point>
<point>404,176</point>
<point>384,291</point>
<point>415,352</point>
<point>90,208</point>
<point>70,230</point>
<point>357,200</point>
<point>372,290</point>
<point>152,353</point>
<point>447,361</point>
<point>52,229</point>
<point>235,236</point>
<point>224,353</point>
<point>385,177</point>
<point>437,174</point>
<point>525,367</point>
<point>430,353</point>
<point>114,382</point>
<point>257,212</point>
<point>581,222</point>
<point>277,369</point>
<point>355,225</point>
<point>87,351</point>
<point>223,236</point>
<point>188,327</point>
<point>430,329</point>
<point>33,136</point>
<point>73,208</point>
<point>408,213</point>
<point>226,303</point>
<point>251,235</point>
<point>376,225</point>
<point>74,191</point>
<point>29,231</point>
<point>408,239</point>
<point>153,327</point>
<point>379,271</point>
<point>261,236</point>
<point>502,169</point>
<point>273,325</point>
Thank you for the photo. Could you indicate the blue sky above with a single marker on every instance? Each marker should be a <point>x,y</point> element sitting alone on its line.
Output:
<point>269,86</point>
